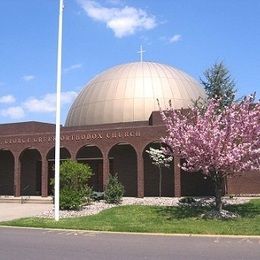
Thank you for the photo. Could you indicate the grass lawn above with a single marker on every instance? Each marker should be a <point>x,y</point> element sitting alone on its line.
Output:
<point>157,219</point>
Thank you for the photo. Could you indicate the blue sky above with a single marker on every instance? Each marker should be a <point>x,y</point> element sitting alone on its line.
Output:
<point>187,34</point>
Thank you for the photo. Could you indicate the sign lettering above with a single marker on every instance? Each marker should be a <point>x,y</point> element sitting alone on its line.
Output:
<point>70,137</point>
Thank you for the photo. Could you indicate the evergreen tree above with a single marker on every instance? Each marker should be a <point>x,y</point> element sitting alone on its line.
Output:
<point>114,190</point>
<point>218,84</point>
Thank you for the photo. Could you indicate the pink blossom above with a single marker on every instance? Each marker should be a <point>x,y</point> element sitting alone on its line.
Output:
<point>225,141</point>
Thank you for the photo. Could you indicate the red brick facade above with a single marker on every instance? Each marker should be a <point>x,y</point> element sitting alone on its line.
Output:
<point>26,159</point>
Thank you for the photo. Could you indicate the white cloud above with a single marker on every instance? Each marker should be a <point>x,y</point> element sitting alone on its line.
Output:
<point>175,38</point>
<point>68,97</point>
<point>13,112</point>
<point>47,104</point>
<point>114,2</point>
<point>123,21</point>
<point>28,77</point>
<point>73,67</point>
<point>8,99</point>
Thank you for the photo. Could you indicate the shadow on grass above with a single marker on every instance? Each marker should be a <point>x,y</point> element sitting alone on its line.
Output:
<point>247,210</point>
<point>182,212</point>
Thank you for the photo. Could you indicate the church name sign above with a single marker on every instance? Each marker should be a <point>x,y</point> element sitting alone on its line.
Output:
<point>71,137</point>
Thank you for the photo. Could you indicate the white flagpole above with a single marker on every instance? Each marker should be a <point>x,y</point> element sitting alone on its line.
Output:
<point>57,133</point>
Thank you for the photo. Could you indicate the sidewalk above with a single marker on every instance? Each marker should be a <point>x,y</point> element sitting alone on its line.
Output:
<point>9,211</point>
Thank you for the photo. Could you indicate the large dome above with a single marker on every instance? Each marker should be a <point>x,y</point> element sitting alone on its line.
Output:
<point>129,92</point>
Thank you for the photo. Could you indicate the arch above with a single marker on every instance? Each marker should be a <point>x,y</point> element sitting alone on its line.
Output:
<point>92,155</point>
<point>151,175</point>
<point>123,161</point>
<point>6,172</point>
<point>31,172</point>
<point>64,155</point>
<point>89,152</point>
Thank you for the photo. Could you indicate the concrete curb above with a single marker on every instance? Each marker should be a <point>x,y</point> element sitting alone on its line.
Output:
<point>135,233</point>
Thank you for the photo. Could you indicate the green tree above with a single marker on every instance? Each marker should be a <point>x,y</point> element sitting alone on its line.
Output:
<point>218,84</point>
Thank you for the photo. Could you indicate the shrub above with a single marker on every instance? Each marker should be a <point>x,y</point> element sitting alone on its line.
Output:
<point>74,175</point>
<point>114,190</point>
<point>74,189</point>
<point>70,199</point>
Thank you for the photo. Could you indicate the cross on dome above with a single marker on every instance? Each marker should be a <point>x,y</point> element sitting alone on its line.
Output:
<point>141,51</point>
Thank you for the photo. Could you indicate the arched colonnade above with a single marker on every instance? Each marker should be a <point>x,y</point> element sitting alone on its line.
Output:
<point>29,171</point>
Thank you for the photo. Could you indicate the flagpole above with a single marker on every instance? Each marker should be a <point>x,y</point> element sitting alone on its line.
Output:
<point>57,132</point>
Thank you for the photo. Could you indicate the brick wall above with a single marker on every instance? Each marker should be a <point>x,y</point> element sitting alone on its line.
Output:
<point>20,137</point>
<point>246,183</point>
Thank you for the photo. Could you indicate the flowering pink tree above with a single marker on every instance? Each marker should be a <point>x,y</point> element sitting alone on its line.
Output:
<point>218,143</point>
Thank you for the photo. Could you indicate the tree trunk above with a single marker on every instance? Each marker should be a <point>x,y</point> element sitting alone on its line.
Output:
<point>160,181</point>
<point>218,181</point>
<point>218,199</point>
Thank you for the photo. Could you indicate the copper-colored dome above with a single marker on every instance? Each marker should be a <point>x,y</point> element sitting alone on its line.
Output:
<point>128,93</point>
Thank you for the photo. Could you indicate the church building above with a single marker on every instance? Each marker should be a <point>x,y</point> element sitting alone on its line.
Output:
<point>110,125</point>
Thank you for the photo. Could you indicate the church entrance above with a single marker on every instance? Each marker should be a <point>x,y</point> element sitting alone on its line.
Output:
<point>92,156</point>
<point>123,162</point>
<point>151,175</point>
<point>64,155</point>
<point>6,173</point>
<point>96,180</point>
<point>31,172</point>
